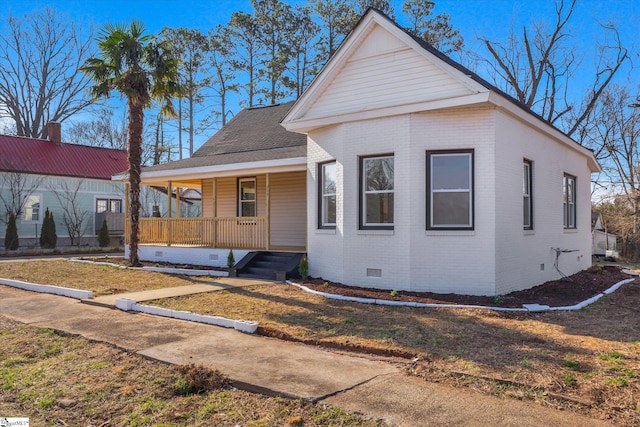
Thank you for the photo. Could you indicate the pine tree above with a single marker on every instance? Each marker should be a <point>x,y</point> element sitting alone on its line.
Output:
<point>11,241</point>
<point>103,237</point>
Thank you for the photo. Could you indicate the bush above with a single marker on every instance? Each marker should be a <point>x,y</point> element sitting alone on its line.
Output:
<point>48,236</point>
<point>103,237</point>
<point>11,241</point>
<point>198,379</point>
<point>231,261</point>
<point>303,268</point>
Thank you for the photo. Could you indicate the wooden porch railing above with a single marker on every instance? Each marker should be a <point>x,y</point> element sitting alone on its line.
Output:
<point>233,233</point>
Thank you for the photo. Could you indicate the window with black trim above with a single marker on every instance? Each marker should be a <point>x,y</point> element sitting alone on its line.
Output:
<point>327,195</point>
<point>376,192</point>
<point>527,194</point>
<point>247,197</point>
<point>108,205</point>
<point>450,190</point>
<point>569,201</point>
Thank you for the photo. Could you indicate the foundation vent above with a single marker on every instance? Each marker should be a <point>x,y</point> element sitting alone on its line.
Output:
<point>213,257</point>
<point>374,272</point>
<point>158,254</point>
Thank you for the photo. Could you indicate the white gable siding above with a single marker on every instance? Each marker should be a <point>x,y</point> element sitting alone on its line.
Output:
<point>409,257</point>
<point>520,254</point>
<point>407,75</point>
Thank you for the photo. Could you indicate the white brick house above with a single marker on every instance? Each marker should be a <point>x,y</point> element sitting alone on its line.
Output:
<point>415,175</point>
<point>421,176</point>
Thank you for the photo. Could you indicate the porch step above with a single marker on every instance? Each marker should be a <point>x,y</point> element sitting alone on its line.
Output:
<point>265,265</point>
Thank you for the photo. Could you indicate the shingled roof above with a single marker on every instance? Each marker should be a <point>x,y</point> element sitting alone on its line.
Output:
<point>43,157</point>
<point>253,135</point>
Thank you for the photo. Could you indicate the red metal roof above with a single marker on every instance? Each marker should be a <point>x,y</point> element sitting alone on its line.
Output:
<point>40,156</point>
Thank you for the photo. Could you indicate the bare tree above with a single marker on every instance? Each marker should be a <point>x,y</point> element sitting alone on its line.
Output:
<point>538,67</point>
<point>74,218</point>
<point>613,133</point>
<point>40,80</point>
<point>15,189</point>
<point>104,131</point>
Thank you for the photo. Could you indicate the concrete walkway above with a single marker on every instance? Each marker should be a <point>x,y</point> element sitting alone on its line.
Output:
<point>220,284</point>
<point>373,387</point>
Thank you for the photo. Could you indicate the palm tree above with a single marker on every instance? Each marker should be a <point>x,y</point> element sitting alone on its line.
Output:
<point>141,68</point>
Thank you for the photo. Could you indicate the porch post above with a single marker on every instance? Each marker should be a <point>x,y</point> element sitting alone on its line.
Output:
<point>178,213</point>
<point>169,191</point>
<point>215,213</point>
<point>169,227</point>
<point>268,202</point>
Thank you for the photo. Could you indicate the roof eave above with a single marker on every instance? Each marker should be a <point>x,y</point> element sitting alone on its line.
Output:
<point>234,169</point>
<point>508,106</point>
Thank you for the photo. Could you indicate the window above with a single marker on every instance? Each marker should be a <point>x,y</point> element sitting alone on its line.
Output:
<point>108,205</point>
<point>376,192</point>
<point>327,195</point>
<point>31,209</point>
<point>155,211</point>
<point>450,187</point>
<point>569,201</point>
<point>247,197</point>
<point>527,195</point>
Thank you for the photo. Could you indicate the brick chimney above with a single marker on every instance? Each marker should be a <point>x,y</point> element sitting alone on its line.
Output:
<point>54,130</point>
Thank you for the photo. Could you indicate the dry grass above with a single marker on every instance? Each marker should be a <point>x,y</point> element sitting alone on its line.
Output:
<point>102,280</point>
<point>588,360</point>
<point>60,380</point>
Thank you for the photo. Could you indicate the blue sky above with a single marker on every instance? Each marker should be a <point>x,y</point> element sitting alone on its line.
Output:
<point>490,18</point>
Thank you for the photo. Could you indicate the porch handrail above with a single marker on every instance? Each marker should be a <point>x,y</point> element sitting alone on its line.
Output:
<point>231,232</point>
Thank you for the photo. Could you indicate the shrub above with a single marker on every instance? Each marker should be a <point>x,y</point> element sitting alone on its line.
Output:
<point>11,241</point>
<point>231,261</point>
<point>198,379</point>
<point>303,268</point>
<point>103,237</point>
<point>48,236</point>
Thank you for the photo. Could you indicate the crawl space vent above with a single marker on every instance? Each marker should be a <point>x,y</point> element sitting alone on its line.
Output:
<point>374,272</point>
<point>158,253</point>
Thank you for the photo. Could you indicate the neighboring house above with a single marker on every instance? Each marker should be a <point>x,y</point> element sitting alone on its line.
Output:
<point>416,175</point>
<point>601,240</point>
<point>39,174</point>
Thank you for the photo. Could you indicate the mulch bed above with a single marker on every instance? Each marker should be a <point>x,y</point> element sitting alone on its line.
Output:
<point>557,293</point>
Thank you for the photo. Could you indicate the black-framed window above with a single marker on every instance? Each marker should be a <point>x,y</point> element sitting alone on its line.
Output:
<point>527,194</point>
<point>108,205</point>
<point>569,201</point>
<point>450,190</point>
<point>376,192</point>
<point>247,200</point>
<point>327,195</point>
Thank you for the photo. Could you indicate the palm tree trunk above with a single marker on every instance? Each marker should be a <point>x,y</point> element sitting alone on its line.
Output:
<point>136,118</point>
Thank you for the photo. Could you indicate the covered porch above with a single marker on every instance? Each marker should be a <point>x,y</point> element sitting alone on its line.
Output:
<point>250,211</point>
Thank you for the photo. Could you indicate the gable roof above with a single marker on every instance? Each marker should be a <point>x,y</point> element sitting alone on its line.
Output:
<point>376,39</point>
<point>43,157</point>
<point>253,137</point>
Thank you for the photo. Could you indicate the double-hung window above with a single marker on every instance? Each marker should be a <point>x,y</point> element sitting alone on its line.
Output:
<point>450,189</point>
<point>327,193</point>
<point>31,210</point>
<point>108,205</point>
<point>247,197</point>
<point>569,201</point>
<point>527,195</point>
<point>376,192</point>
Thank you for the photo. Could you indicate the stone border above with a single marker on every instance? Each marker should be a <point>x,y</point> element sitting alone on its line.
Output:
<point>167,270</point>
<point>526,307</point>
<point>128,304</point>
<point>48,289</point>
